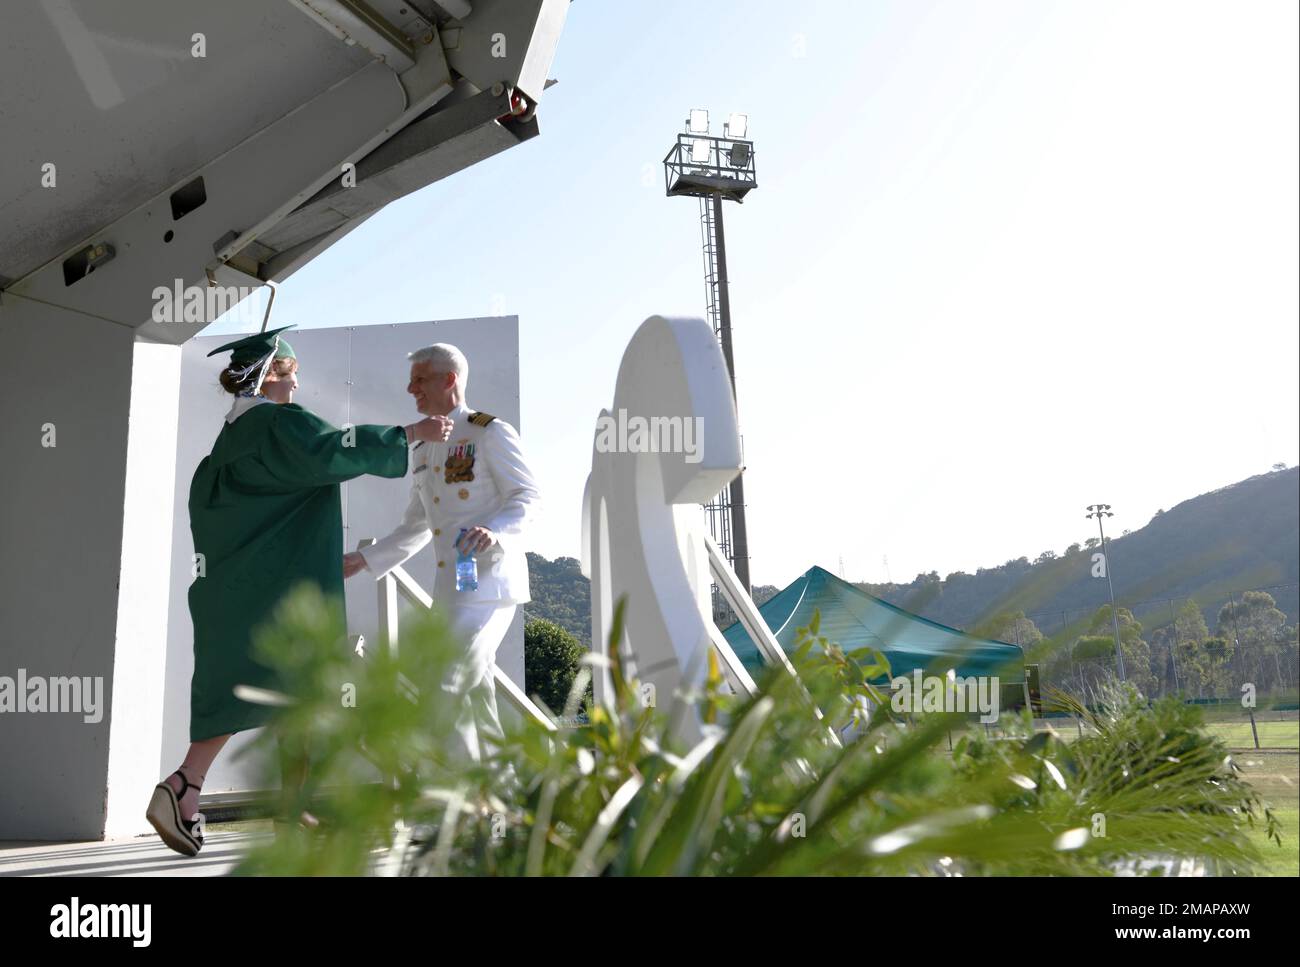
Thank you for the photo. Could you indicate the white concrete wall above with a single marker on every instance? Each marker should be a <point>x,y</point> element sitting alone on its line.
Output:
<point>139,661</point>
<point>355,375</point>
<point>63,565</point>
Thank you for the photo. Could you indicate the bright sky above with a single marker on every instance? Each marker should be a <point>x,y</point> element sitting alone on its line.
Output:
<point>1007,258</point>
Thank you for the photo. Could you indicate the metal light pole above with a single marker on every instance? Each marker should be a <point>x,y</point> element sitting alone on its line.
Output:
<point>739,531</point>
<point>1099,511</point>
<point>715,170</point>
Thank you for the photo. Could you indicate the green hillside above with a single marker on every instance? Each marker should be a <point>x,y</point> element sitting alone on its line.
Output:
<point>560,595</point>
<point>1209,549</point>
<point>1242,537</point>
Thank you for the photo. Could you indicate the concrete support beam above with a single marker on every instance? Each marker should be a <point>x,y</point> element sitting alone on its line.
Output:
<point>89,431</point>
<point>144,584</point>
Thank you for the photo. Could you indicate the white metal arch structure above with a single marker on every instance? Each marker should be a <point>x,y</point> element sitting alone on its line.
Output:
<point>643,534</point>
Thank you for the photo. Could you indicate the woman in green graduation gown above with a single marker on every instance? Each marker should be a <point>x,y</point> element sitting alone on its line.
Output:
<point>265,515</point>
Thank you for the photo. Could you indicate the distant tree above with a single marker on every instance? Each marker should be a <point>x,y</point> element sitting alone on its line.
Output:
<point>1045,557</point>
<point>552,658</point>
<point>1094,648</point>
<point>1255,618</point>
<point>1091,662</point>
<point>1188,626</point>
<point>1072,549</point>
<point>1256,628</point>
<point>1012,627</point>
<point>1164,662</point>
<point>1136,651</point>
<point>1289,659</point>
<point>1189,623</point>
<point>1091,542</point>
<point>1278,466</point>
<point>1206,666</point>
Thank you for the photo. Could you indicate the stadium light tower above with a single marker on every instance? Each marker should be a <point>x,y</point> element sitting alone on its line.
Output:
<point>713,169</point>
<point>1099,511</point>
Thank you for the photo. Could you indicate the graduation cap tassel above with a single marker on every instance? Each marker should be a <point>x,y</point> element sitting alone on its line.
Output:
<point>270,358</point>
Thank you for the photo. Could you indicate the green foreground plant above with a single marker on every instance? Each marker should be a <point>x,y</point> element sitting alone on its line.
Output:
<point>813,775</point>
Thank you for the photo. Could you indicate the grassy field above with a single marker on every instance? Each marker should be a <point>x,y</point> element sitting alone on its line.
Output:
<point>1273,734</point>
<point>1277,777</point>
<point>1277,732</point>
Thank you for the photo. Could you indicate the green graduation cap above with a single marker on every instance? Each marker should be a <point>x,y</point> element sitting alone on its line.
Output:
<point>253,349</point>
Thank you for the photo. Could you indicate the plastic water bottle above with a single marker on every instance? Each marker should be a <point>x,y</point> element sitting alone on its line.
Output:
<point>466,566</point>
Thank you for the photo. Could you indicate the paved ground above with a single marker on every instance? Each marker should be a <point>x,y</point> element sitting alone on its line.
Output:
<point>139,856</point>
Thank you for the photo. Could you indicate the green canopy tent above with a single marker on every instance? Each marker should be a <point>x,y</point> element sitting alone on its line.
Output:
<point>854,619</point>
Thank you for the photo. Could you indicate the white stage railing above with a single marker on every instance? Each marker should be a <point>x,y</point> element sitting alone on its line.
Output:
<point>746,613</point>
<point>399,582</point>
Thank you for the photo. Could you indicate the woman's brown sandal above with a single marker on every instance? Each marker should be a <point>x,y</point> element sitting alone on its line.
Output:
<point>185,836</point>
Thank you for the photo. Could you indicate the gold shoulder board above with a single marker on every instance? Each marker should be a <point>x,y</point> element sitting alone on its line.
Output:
<point>481,419</point>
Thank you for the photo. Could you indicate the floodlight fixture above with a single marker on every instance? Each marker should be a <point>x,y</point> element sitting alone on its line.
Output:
<point>736,126</point>
<point>698,122</point>
<point>701,148</point>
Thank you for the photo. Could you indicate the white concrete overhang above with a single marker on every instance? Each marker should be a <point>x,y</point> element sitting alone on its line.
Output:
<point>128,161</point>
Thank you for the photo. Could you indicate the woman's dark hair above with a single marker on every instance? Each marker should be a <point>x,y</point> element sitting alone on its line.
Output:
<point>232,384</point>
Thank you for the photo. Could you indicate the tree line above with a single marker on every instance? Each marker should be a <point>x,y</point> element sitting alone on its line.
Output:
<point>1250,645</point>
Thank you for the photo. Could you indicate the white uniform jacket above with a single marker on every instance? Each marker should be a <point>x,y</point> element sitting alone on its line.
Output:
<point>478,478</point>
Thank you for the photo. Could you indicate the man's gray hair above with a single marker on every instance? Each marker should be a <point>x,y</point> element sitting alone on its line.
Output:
<point>445,358</point>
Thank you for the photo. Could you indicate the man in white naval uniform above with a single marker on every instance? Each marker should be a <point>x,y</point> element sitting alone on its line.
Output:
<point>477,481</point>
